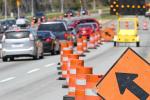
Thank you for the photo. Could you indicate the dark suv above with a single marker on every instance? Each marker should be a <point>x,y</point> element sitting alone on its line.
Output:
<point>58,28</point>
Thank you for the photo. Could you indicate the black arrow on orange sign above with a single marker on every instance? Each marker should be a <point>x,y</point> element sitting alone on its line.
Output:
<point>107,33</point>
<point>125,81</point>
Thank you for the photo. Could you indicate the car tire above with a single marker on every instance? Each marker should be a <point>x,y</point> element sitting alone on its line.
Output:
<point>36,57</point>
<point>5,59</point>
<point>137,44</point>
<point>11,58</point>
<point>42,56</point>
<point>53,52</point>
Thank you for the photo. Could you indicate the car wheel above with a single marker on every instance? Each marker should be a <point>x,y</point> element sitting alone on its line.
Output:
<point>5,59</point>
<point>42,56</point>
<point>11,58</point>
<point>53,52</point>
<point>137,44</point>
<point>36,57</point>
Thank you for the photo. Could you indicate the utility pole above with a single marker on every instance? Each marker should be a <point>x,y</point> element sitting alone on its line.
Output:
<point>5,1</point>
<point>18,7</point>
<point>81,4</point>
<point>32,3</point>
<point>62,5</point>
<point>94,5</point>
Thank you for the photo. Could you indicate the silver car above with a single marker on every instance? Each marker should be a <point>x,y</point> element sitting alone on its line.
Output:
<point>21,43</point>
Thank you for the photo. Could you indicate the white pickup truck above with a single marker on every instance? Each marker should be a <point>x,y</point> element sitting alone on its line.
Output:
<point>147,13</point>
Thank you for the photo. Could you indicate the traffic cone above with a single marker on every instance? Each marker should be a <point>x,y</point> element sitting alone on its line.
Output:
<point>80,49</point>
<point>91,44</point>
<point>64,66</point>
<point>113,25</point>
<point>127,25</point>
<point>92,80</point>
<point>70,44</point>
<point>61,17</point>
<point>145,25</point>
<point>81,82</point>
<point>85,48</point>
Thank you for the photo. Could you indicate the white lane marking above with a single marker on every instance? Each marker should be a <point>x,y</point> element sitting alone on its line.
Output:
<point>7,79</point>
<point>33,70</point>
<point>49,65</point>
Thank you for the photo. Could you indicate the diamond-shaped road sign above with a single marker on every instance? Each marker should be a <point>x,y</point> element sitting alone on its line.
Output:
<point>128,79</point>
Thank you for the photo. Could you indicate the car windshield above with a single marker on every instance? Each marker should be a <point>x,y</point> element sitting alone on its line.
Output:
<point>127,25</point>
<point>55,27</point>
<point>43,35</point>
<point>17,35</point>
<point>9,22</point>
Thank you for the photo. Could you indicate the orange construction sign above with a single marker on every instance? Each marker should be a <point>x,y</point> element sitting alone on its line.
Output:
<point>128,79</point>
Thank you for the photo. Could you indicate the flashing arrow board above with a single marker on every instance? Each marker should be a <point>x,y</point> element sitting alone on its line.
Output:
<point>127,7</point>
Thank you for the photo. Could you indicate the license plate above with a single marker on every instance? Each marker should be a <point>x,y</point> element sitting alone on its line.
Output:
<point>17,45</point>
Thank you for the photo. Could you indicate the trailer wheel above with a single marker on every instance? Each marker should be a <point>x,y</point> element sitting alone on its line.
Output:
<point>137,44</point>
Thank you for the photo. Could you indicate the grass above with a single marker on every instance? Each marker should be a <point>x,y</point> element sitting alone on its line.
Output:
<point>105,14</point>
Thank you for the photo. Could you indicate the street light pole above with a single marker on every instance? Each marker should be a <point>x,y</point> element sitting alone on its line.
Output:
<point>62,6</point>
<point>5,9</point>
<point>32,3</point>
<point>18,11</point>
<point>94,5</point>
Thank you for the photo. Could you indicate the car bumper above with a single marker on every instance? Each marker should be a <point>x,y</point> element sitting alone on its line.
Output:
<point>128,39</point>
<point>19,52</point>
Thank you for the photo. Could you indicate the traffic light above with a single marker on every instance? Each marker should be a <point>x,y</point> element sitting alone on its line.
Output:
<point>127,7</point>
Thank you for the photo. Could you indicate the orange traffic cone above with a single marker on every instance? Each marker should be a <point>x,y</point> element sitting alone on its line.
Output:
<point>113,26</point>
<point>85,48</point>
<point>127,25</point>
<point>91,44</point>
<point>80,49</point>
<point>145,25</point>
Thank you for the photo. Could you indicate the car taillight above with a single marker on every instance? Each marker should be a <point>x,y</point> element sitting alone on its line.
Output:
<point>48,40</point>
<point>65,35</point>
<point>31,37</point>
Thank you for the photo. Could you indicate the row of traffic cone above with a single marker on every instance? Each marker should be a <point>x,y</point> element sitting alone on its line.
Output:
<point>80,80</point>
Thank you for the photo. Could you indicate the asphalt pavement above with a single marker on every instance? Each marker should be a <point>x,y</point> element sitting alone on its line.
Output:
<point>37,80</point>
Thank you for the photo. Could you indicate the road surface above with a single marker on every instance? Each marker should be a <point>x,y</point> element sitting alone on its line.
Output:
<point>37,80</point>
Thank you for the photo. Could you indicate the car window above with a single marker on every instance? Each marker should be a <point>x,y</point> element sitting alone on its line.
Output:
<point>95,26</point>
<point>85,25</point>
<point>56,27</point>
<point>44,35</point>
<point>11,22</point>
<point>17,35</point>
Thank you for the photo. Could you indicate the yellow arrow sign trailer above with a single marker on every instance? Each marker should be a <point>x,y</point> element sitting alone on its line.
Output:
<point>127,31</point>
